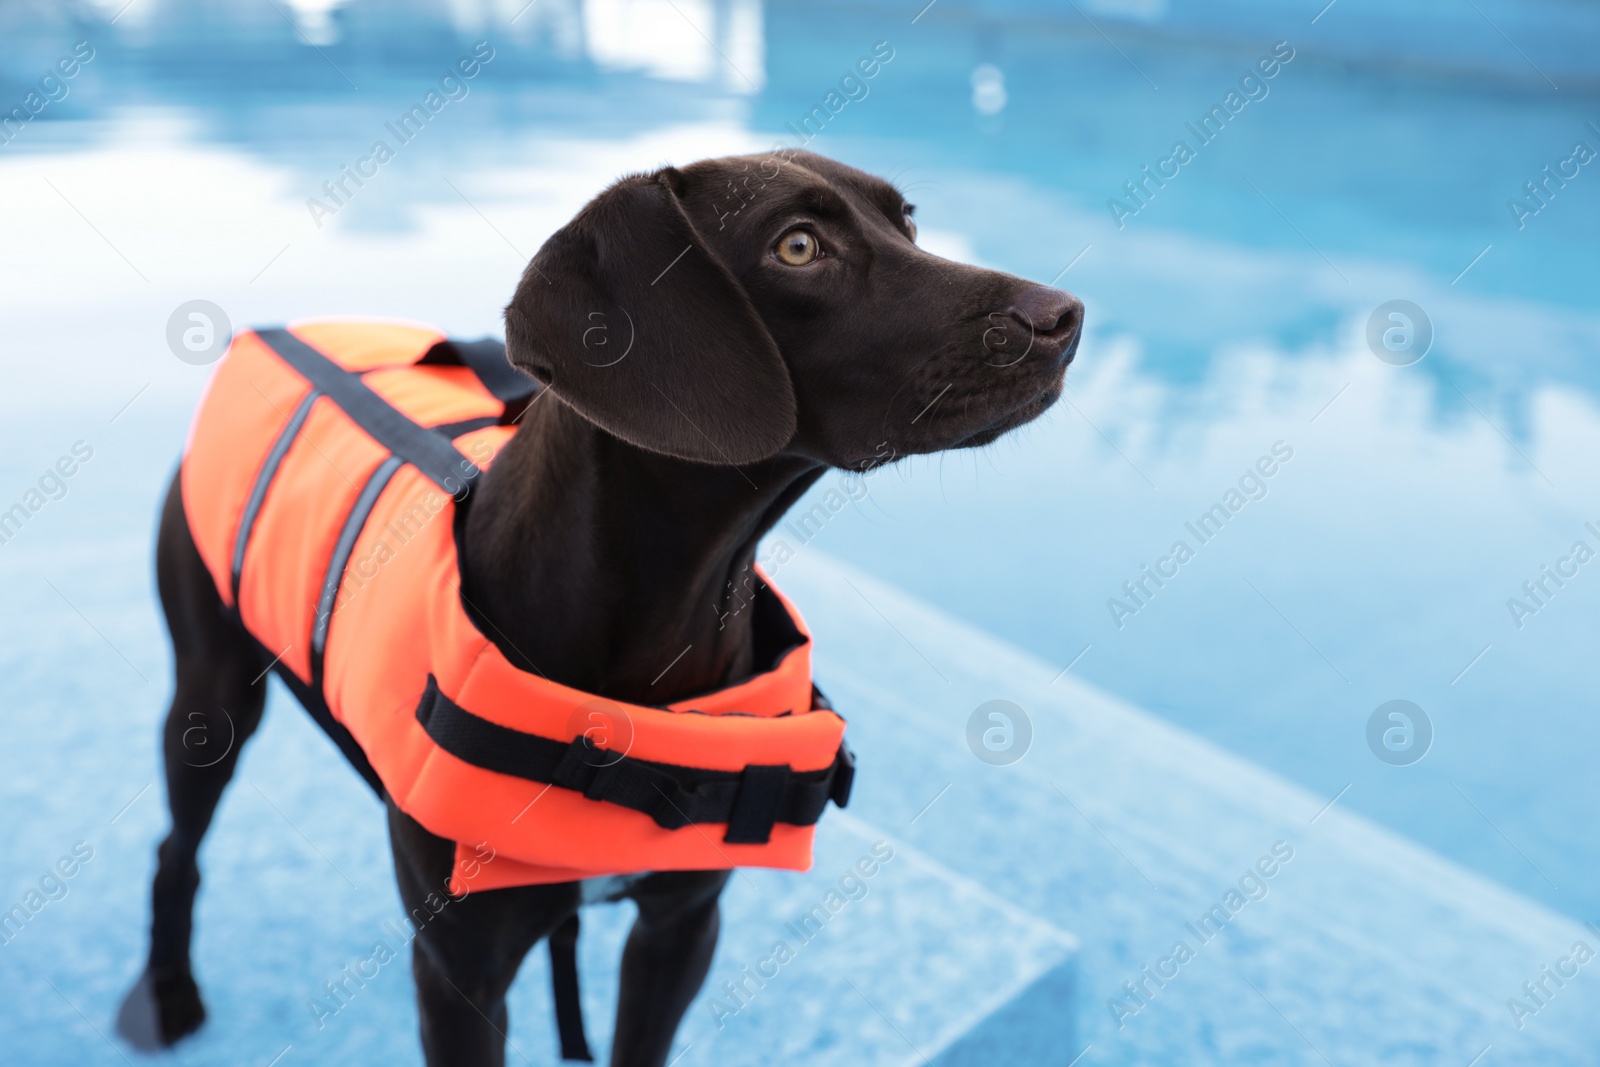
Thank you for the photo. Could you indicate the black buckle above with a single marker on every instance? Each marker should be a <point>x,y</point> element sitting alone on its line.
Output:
<point>844,776</point>
<point>579,768</point>
<point>762,791</point>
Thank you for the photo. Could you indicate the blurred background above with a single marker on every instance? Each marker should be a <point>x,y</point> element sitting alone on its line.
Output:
<point>1372,271</point>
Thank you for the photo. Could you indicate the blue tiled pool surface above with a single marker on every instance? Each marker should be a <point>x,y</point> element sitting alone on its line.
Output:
<point>1180,730</point>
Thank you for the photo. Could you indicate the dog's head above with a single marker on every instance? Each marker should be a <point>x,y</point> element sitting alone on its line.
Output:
<point>739,308</point>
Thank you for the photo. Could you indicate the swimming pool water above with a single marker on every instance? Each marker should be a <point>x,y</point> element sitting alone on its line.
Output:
<point>1418,538</point>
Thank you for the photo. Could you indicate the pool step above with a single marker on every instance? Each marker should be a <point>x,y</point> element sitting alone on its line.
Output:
<point>1308,930</point>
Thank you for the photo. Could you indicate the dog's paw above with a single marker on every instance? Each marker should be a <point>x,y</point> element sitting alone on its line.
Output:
<point>160,1010</point>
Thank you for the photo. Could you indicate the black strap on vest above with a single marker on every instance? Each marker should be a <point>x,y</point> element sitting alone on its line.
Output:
<point>428,449</point>
<point>430,452</point>
<point>564,986</point>
<point>750,802</point>
<point>487,359</point>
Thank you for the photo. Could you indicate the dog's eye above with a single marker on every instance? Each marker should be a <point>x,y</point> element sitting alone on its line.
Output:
<point>797,248</point>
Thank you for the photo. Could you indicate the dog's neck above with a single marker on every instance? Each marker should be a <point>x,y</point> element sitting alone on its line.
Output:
<point>614,570</point>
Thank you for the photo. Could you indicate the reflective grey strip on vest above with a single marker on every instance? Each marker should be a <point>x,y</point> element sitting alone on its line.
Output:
<point>353,524</point>
<point>258,491</point>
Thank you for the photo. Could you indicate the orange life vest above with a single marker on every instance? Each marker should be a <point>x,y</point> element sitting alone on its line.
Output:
<point>322,481</point>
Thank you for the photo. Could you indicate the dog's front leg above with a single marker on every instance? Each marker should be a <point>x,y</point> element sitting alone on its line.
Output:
<point>467,949</point>
<point>665,962</point>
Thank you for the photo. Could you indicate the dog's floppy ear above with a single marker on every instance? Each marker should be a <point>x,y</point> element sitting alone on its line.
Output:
<point>633,321</point>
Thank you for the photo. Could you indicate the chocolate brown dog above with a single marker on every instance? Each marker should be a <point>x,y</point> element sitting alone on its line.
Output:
<point>714,339</point>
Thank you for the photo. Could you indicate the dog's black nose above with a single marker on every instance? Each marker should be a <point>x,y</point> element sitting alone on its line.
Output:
<point>1051,315</point>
